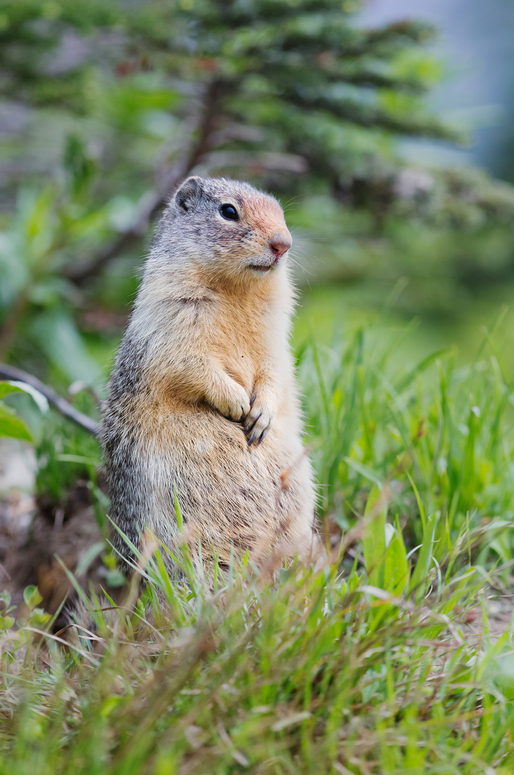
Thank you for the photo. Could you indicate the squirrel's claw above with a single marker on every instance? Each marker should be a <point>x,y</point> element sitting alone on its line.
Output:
<point>257,423</point>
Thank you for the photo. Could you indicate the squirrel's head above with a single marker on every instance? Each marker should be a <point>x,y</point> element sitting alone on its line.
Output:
<point>229,228</point>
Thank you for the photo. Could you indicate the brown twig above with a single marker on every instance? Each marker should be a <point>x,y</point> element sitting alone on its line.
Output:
<point>11,373</point>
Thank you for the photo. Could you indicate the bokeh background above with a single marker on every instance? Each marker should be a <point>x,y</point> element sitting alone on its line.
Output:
<point>384,127</point>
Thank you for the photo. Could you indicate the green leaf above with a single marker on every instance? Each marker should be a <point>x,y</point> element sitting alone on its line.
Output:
<point>364,470</point>
<point>62,343</point>
<point>22,387</point>
<point>78,163</point>
<point>6,388</point>
<point>109,705</point>
<point>396,567</point>
<point>424,558</point>
<point>39,617</point>
<point>31,596</point>
<point>6,622</point>
<point>12,426</point>
<point>374,544</point>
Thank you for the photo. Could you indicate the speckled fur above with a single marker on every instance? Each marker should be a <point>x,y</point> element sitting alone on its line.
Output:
<point>209,340</point>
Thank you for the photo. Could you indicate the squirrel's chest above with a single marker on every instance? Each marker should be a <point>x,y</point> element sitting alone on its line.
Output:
<point>246,336</point>
<point>240,352</point>
<point>243,347</point>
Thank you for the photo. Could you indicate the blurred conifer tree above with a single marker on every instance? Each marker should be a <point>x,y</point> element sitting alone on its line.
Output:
<point>292,94</point>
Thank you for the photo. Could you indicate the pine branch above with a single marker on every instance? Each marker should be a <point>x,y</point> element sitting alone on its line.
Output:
<point>256,160</point>
<point>11,373</point>
<point>153,201</point>
<point>371,116</point>
<point>312,72</point>
<point>335,36</point>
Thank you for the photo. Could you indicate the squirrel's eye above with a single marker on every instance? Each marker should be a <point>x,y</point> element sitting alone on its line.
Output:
<point>229,212</point>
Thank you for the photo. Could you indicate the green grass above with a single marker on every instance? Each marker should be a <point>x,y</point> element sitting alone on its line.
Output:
<point>391,660</point>
<point>437,437</point>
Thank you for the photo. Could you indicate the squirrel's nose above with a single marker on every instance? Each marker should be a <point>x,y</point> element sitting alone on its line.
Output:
<point>280,243</point>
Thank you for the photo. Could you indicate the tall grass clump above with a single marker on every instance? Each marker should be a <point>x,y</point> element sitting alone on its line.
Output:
<point>395,658</point>
<point>437,437</point>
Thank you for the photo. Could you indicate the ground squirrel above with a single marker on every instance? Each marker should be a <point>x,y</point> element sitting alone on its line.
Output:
<point>202,397</point>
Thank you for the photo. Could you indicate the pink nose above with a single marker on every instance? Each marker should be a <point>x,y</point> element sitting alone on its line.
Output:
<point>280,243</point>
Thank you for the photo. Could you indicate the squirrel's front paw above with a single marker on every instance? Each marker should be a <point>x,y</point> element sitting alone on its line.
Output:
<point>234,407</point>
<point>258,422</point>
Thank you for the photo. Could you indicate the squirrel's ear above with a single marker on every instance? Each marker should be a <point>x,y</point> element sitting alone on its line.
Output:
<point>189,193</point>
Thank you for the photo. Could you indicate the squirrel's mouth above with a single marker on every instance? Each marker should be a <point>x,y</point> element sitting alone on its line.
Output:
<point>267,267</point>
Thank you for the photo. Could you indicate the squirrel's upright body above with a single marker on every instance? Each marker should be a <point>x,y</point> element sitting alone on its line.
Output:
<point>203,401</point>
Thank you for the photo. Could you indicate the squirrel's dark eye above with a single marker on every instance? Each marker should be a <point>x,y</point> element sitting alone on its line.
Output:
<point>229,212</point>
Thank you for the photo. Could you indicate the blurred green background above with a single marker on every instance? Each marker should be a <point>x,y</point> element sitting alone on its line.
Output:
<point>373,123</point>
